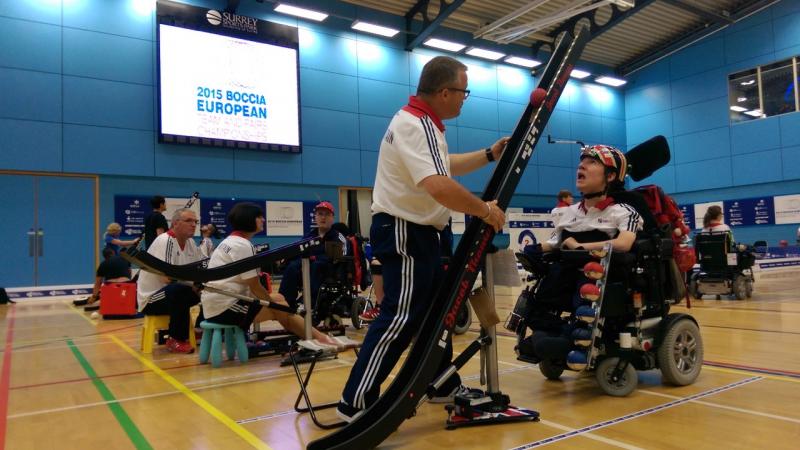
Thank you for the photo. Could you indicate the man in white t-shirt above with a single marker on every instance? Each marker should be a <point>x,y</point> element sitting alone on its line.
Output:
<point>246,220</point>
<point>157,295</point>
<point>412,201</point>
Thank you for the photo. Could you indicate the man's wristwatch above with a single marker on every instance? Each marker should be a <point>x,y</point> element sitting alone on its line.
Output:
<point>489,154</point>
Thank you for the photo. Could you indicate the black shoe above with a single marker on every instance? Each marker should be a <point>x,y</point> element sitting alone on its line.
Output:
<point>80,301</point>
<point>91,307</point>
<point>347,412</point>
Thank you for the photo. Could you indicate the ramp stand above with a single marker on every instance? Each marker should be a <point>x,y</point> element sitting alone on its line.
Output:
<point>477,407</point>
<point>299,355</point>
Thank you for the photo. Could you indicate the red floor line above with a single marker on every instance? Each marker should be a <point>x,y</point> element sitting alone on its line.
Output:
<point>5,377</point>
<point>77,380</point>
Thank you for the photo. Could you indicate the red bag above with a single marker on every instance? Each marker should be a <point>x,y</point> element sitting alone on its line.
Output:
<point>665,210</point>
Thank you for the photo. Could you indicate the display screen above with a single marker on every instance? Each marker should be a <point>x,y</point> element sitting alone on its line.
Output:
<point>221,90</point>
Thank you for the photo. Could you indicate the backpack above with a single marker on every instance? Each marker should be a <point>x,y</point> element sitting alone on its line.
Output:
<point>666,211</point>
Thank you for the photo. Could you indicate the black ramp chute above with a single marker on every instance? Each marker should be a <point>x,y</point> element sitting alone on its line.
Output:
<point>410,385</point>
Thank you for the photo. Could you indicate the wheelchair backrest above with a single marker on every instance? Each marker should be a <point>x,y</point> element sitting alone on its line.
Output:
<point>712,250</point>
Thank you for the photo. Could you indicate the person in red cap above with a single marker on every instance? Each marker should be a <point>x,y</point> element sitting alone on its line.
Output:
<point>292,280</point>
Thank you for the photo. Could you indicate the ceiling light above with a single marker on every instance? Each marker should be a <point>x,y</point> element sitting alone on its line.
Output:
<point>754,113</point>
<point>747,83</point>
<point>579,74</point>
<point>738,108</point>
<point>741,99</point>
<point>610,81</point>
<point>524,62</point>
<point>301,12</point>
<point>374,29</point>
<point>444,45</point>
<point>486,54</point>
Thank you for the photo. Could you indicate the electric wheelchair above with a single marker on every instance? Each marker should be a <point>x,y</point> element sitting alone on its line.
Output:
<point>629,326</point>
<point>724,269</point>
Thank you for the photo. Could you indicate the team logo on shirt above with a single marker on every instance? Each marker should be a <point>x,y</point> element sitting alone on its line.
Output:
<point>389,136</point>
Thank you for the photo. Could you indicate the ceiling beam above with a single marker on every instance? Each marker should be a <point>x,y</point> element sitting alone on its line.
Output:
<point>428,25</point>
<point>645,60</point>
<point>618,15</point>
<point>711,16</point>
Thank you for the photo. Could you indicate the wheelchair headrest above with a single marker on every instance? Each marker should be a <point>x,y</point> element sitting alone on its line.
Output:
<point>647,157</point>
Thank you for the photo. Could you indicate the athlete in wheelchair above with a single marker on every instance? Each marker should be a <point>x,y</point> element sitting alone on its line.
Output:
<point>725,268</point>
<point>602,286</point>
<point>342,279</point>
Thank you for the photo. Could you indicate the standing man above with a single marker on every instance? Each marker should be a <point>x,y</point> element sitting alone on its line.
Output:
<point>414,194</point>
<point>565,200</point>
<point>158,295</point>
<point>155,223</point>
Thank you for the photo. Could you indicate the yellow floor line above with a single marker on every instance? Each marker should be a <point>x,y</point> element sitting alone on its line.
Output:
<point>208,407</point>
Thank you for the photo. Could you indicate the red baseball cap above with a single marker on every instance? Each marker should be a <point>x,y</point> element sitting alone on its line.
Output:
<point>325,205</point>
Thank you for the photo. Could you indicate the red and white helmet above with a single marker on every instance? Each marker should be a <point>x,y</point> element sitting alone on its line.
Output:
<point>610,157</point>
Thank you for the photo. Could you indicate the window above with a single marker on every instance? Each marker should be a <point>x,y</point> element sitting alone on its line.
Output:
<point>765,91</point>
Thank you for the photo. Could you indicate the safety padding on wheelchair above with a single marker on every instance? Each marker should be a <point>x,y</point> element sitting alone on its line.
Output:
<point>153,323</point>
<point>118,299</point>
<point>211,343</point>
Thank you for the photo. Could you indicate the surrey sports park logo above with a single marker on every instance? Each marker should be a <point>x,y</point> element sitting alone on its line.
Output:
<point>214,17</point>
<point>232,21</point>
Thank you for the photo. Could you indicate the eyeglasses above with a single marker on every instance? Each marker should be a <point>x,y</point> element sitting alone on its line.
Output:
<point>194,221</point>
<point>465,91</point>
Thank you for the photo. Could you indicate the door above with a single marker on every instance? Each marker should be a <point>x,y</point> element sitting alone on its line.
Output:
<point>49,230</point>
<point>66,219</point>
<point>18,230</point>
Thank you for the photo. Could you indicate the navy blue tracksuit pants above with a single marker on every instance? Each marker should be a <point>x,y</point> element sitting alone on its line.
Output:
<point>411,259</point>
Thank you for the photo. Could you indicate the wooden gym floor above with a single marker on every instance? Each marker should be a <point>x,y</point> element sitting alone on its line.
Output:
<point>69,382</point>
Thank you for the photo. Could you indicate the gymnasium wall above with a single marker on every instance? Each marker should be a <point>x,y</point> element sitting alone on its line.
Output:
<point>79,96</point>
<point>685,97</point>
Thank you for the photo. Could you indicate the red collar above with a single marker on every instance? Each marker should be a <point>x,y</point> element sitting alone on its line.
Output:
<point>562,204</point>
<point>172,235</point>
<point>714,224</point>
<point>601,206</point>
<point>419,108</point>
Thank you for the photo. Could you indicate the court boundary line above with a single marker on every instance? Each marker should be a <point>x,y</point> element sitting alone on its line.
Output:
<point>223,418</point>
<point>128,426</point>
<point>634,415</point>
<point>721,406</point>
<point>5,376</point>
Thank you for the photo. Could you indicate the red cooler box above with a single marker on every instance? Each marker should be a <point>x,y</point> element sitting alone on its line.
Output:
<point>118,300</point>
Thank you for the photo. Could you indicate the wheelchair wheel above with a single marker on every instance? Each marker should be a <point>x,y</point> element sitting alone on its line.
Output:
<point>680,355</point>
<point>359,306</point>
<point>618,388</point>
<point>463,319</point>
<point>552,369</point>
<point>740,287</point>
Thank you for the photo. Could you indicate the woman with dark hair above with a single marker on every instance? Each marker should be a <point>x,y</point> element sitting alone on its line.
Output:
<point>246,220</point>
<point>712,220</point>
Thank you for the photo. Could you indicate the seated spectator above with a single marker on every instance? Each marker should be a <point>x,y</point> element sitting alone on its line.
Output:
<point>112,240</point>
<point>208,231</point>
<point>113,269</point>
<point>158,295</point>
<point>292,280</point>
<point>246,220</point>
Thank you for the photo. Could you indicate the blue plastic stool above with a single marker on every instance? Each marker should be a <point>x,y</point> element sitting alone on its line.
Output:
<point>211,343</point>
